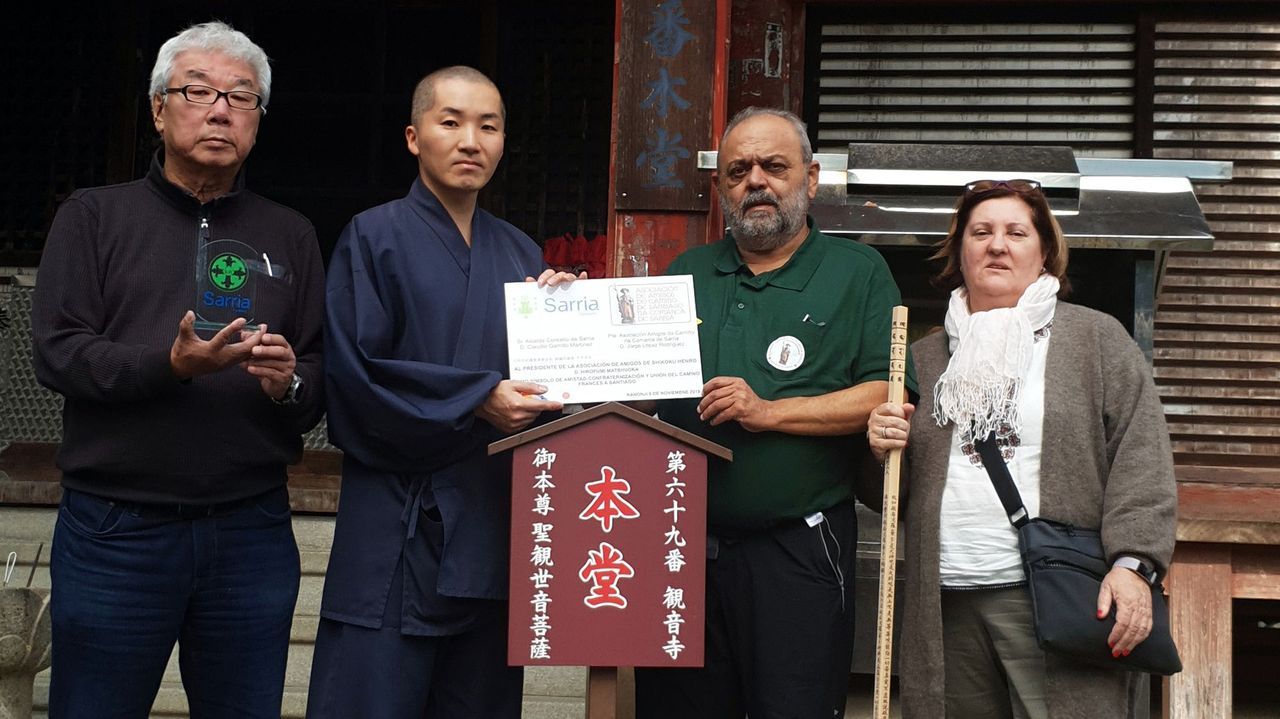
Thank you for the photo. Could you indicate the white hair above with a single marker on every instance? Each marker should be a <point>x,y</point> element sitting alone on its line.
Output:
<point>212,37</point>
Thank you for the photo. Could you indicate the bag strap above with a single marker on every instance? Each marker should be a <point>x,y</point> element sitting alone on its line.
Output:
<point>1002,480</point>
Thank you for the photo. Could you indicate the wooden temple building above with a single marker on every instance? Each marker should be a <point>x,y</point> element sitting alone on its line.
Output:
<point>612,106</point>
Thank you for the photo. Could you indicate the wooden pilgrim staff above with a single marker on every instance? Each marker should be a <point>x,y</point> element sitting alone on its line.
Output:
<point>889,522</point>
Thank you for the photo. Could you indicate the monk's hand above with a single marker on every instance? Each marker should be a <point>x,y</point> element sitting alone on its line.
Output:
<point>1132,598</point>
<point>551,278</point>
<point>727,399</point>
<point>511,406</point>
<point>888,428</point>
<point>191,356</point>
<point>272,361</point>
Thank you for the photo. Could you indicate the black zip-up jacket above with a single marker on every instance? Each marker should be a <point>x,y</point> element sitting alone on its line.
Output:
<point>119,270</point>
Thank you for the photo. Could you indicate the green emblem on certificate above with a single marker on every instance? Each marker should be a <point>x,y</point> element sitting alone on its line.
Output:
<point>228,272</point>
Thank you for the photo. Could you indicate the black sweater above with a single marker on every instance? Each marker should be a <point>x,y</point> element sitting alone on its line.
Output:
<point>117,274</point>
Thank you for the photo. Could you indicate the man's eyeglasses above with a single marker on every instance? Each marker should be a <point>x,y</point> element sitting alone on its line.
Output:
<point>1021,186</point>
<point>205,95</point>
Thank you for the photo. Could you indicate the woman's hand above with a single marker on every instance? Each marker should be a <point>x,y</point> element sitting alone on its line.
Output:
<point>888,428</point>
<point>1132,597</point>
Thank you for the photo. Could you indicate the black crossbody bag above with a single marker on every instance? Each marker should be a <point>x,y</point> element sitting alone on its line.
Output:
<point>1065,567</point>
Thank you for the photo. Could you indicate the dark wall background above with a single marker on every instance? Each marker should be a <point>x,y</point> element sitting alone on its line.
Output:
<point>74,111</point>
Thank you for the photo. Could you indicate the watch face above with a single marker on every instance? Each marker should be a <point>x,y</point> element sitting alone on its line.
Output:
<point>291,394</point>
<point>1139,566</point>
<point>1147,571</point>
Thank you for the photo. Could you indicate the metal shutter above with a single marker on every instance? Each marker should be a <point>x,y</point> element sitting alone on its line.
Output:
<point>1217,337</point>
<point>1065,83</point>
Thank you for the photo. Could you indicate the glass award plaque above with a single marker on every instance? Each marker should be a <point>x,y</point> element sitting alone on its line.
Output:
<point>226,283</point>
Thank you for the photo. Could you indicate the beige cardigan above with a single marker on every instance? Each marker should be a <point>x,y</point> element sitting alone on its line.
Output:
<point>1106,463</point>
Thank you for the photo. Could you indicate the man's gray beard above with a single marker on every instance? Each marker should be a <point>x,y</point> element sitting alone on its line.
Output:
<point>763,234</point>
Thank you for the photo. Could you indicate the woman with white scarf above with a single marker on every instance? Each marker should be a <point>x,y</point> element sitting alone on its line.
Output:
<point>1069,398</point>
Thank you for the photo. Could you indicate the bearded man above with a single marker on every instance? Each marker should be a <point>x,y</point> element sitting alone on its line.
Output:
<point>795,343</point>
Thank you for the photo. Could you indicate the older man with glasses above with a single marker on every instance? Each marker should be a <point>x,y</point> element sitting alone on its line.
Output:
<point>174,524</point>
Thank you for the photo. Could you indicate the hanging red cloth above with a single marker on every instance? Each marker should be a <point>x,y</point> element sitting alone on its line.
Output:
<point>555,252</point>
<point>597,260</point>
<point>579,253</point>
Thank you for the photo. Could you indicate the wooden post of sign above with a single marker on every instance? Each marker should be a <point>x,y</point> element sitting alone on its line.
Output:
<point>889,522</point>
<point>602,693</point>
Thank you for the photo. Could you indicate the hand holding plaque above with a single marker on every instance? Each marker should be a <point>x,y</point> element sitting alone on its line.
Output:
<point>191,356</point>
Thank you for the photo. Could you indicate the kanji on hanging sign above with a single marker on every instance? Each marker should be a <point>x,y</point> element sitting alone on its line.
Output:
<point>608,501</point>
<point>604,567</point>
<point>540,556</point>
<point>668,51</point>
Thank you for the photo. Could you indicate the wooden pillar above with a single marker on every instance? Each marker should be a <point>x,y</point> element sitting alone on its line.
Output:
<point>669,102</point>
<point>1200,589</point>
<point>766,55</point>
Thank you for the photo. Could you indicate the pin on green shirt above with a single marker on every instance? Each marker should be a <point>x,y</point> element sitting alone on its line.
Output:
<point>818,324</point>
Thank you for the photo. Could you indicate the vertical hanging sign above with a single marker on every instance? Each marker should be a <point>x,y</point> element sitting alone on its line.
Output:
<point>666,69</point>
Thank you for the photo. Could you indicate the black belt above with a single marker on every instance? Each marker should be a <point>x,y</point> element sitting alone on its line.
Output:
<point>718,537</point>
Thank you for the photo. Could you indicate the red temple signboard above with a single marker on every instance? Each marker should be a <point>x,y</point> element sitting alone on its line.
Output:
<point>608,541</point>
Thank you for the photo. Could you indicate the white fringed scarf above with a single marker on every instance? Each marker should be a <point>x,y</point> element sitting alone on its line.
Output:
<point>990,355</point>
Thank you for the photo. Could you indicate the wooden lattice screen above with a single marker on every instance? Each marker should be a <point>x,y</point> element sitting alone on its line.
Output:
<point>555,65</point>
<point>53,137</point>
<point>332,144</point>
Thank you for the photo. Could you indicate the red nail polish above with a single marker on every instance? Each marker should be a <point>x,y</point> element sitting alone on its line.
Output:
<point>1102,613</point>
<point>1126,652</point>
<point>1115,653</point>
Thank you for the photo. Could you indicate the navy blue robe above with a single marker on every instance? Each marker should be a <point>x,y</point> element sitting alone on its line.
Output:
<point>415,339</point>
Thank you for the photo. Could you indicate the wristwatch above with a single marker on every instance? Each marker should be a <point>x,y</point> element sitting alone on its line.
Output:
<point>1132,563</point>
<point>291,394</point>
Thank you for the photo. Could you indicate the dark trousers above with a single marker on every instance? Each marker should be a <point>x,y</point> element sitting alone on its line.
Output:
<point>779,635</point>
<point>131,580</point>
<point>383,674</point>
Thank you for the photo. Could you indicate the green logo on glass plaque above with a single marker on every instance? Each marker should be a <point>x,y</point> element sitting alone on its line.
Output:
<point>228,272</point>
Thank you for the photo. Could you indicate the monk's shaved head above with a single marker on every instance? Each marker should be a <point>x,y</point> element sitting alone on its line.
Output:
<point>424,95</point>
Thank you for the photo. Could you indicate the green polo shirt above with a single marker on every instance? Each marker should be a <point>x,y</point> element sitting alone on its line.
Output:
<point>818,324</point>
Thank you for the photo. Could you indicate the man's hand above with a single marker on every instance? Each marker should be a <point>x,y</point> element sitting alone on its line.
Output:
<point>731,398</point>
<point>1132,597</point>
<point>272,361</point>
<point>511,406</point>
<point>191,356</point>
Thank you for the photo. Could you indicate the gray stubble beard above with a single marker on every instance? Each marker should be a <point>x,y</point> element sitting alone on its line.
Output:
<point>766,233</point>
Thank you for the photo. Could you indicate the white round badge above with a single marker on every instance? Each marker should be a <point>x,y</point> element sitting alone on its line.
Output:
<point>786,353</point>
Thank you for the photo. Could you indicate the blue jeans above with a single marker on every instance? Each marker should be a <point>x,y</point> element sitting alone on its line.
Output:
<point>129,580</point>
